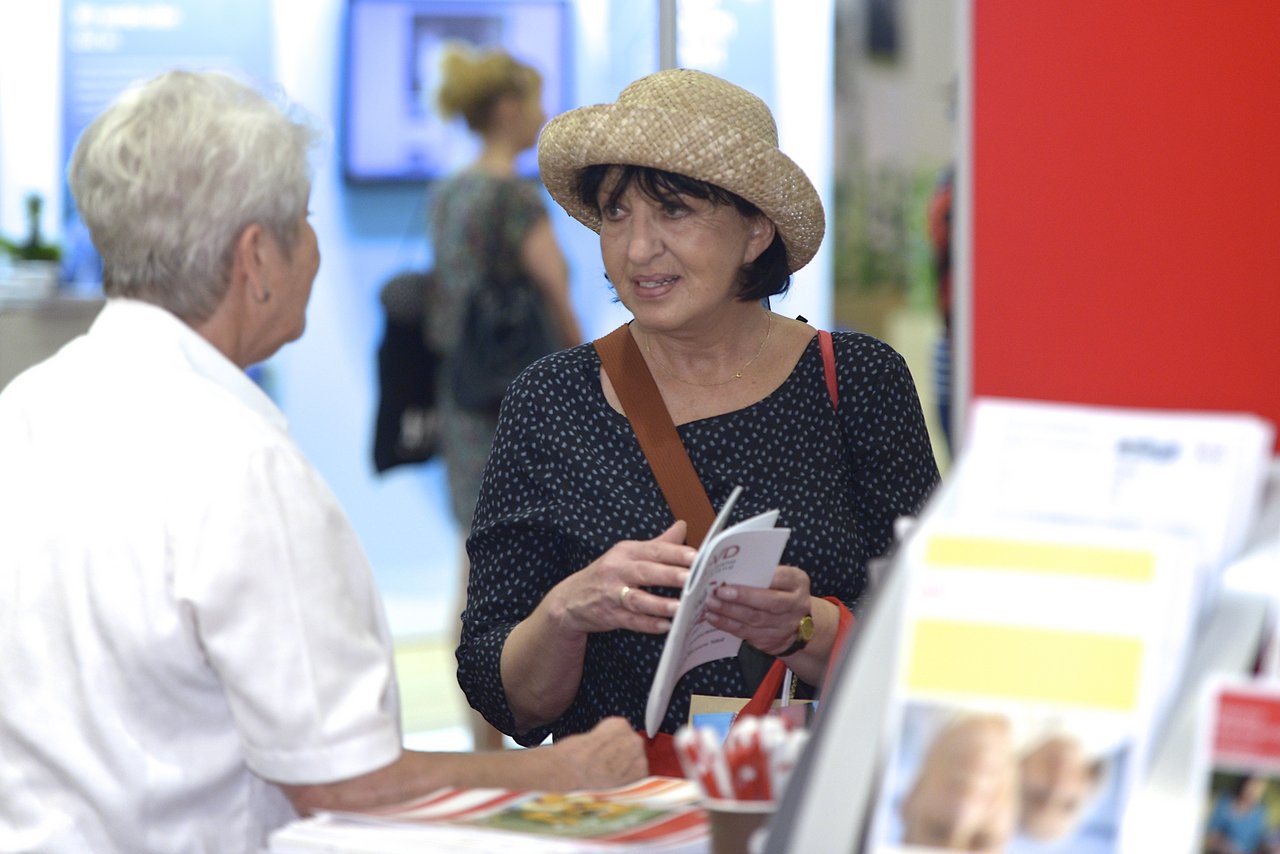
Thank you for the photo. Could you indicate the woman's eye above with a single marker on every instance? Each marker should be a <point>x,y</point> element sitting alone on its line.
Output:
<point>611,211</point>
<point>674,210</point>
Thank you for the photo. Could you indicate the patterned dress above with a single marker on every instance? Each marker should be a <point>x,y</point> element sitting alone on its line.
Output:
<point>477,221</point>
<point>567,480</point>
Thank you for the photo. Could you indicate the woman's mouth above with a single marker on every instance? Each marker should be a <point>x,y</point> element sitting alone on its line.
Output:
<point>652,282</point>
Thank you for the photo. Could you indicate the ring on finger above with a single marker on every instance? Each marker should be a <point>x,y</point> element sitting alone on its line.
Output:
<point>623,594</point>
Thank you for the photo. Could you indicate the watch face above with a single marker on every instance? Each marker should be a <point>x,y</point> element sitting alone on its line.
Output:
<point>806,628</point>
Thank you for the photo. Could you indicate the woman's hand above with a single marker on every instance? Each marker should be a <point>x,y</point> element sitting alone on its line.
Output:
<point>769,619</point>
<point>611,754</point>
<point>542,658</point>
<point>766,618</point>
<point>607,594</point>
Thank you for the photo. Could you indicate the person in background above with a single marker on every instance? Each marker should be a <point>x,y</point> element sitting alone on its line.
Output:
<point>577,559</point>
<point>192,648</point>
<point>939,215</point>
<point>481,217</point>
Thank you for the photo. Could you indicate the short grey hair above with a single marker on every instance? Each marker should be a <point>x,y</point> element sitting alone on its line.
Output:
<point>170,175</point>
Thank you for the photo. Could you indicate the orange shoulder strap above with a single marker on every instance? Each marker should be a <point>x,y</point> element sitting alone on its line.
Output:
<point>643,405</point>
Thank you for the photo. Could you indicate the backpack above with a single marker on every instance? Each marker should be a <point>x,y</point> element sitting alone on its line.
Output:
<point>406,428</point>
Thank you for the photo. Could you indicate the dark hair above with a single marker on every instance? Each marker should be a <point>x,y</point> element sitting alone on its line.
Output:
<point>767,276</point>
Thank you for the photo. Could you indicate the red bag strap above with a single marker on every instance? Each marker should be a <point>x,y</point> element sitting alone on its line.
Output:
<point>842,634</point>
<point>762,700</point>
<point>661,753</point>
<point>643,405</point>
<point>829,366</point>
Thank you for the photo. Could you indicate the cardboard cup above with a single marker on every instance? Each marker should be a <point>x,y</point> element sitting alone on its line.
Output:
<point>734,822</point>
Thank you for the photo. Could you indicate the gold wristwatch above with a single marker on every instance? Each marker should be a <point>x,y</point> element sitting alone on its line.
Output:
<point>804,634</point>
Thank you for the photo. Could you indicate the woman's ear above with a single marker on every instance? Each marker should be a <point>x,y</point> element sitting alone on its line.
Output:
<point>248,263</point>
<point>759,235</point>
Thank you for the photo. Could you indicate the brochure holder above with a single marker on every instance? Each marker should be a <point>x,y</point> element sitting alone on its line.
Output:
<point>827,805</point>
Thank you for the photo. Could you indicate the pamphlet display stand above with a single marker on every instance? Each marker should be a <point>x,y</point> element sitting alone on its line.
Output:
<point>829,804</point>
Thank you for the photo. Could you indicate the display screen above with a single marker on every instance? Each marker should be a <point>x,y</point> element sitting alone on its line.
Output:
<point>391,129</point>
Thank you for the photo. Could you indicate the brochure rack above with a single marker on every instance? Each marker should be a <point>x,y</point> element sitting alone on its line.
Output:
<point>828,804</point>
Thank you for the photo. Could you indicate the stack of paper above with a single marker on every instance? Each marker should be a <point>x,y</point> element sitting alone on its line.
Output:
<point>1193,473</point>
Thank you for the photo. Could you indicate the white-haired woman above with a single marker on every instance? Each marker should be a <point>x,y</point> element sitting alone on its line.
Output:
<point>577,557</point>
<point>192,648</point>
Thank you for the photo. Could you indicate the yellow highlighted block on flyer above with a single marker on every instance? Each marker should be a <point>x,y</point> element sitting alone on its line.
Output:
<point>951,551</point>
<point>1016,662</point>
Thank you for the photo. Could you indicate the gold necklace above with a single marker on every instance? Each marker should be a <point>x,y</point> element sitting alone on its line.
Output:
<point>768,330</point>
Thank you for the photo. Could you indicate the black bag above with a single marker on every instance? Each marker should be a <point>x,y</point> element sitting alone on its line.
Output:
<point>406,428</point>
<point>505,328</point>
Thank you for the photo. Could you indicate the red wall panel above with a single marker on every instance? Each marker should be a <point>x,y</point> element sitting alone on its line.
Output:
<point>1126,202</point>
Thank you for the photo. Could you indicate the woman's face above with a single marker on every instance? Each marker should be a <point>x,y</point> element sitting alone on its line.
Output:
<point>676,264</point>
<point>518,118</point>
<point>533,116</point>
<point>291,274</point>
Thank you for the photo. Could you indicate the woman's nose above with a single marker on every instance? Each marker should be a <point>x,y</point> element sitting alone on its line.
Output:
<point>644,242</point>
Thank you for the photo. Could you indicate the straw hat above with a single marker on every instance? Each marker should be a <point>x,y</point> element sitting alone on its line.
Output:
<point>693,124</point>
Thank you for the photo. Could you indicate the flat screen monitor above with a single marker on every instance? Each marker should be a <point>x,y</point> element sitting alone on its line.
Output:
<point>390,128</point>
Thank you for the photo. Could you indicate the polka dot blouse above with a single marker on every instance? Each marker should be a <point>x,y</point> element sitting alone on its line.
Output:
<point>566,480</point>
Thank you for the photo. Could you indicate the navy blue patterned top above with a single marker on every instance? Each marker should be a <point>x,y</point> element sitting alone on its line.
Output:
<point>567,479</point>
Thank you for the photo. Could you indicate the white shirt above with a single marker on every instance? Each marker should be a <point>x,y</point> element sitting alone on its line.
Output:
<point>185,612</point>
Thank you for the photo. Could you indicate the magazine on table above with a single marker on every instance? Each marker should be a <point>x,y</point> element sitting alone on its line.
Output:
<point>746,553</point>
<point>658,814</point>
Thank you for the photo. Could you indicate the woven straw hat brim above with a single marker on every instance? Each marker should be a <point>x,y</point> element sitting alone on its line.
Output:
<point>697,146</point>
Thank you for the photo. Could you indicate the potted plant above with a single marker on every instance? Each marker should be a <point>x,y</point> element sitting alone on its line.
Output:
<point>36,263</point>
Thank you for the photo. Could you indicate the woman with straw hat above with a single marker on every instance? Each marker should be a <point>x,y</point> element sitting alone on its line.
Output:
<point>578,559</point>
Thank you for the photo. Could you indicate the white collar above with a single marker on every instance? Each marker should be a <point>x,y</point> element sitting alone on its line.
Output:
<point>147,326</point>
